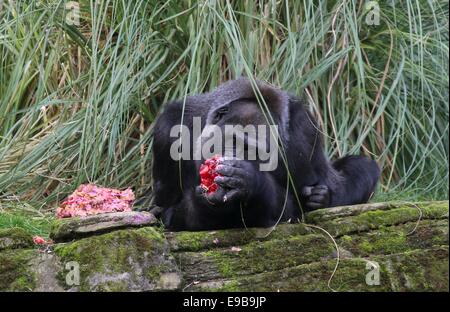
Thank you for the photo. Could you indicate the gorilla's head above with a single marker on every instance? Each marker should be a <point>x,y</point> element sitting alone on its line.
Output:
<point>245,120</point>
<point>241,102</point>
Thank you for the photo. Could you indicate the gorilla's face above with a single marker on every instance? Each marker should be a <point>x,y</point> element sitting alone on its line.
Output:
<point>236,126</point>
<point>243,112</point>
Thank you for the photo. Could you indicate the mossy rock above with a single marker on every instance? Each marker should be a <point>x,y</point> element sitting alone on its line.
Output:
<point>363,234</point>
<point>362,218</point>
<point>14,238</point>
<point>78,227</point>
<point>418,270</point>
<point>15,271</point>
<point>406,242</point>
<point>124,260</point>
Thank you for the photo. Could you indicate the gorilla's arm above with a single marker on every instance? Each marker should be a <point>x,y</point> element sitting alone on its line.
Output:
<point>347,181</point>
<point>359,179</point>
<point>166,187</point>
<point>245,197</point>
<point>168,182</point>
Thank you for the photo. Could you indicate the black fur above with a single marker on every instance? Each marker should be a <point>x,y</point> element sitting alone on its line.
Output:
<point>254,196</point>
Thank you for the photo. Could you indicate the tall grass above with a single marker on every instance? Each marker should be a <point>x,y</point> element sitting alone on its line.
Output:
<point>77,102</point>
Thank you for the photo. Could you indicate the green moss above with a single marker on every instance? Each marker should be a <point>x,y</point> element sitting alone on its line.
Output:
<point>425,270</point>
<point>56,226</point>
<point>293,257</point>
<point>346,238</point>
<point>113,286</point>
<point>66,226</point>
<point>112,254</point>
<point>259,256</point>
<point>275,254</point>
<point>23,283</point>
<point>377,218</point>
<point>226,268</point>
<point>190,241</point>
<point>396,239</point>
<point>385,244</point>
<point>204,240</point>
<point>437,275</point>
<point>306,277</point>
<point>230,286</point>
<point>419,270</point>
<point>365,246</point>
<point>13,238</point>
<point>15,272</point>
<point>155,272</point>
<point>391,243</point>
<point>434,209</point>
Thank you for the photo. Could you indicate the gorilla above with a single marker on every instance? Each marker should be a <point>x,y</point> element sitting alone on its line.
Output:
<point>303,180</point>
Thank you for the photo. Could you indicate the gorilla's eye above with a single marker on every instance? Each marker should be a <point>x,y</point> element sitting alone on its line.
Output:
<point>220,112</point>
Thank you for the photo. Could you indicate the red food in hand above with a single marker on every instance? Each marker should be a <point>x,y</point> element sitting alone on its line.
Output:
<point>208,173</point>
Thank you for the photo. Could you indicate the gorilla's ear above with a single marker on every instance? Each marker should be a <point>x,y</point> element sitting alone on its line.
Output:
<point>276,99</point>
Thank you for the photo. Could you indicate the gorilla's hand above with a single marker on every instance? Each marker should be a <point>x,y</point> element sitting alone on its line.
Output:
<point>216,198</point>
<point>236,179</point>
<point>317,196</point>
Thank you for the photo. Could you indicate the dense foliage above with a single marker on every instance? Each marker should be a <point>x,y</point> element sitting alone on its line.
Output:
<point>77,100</point>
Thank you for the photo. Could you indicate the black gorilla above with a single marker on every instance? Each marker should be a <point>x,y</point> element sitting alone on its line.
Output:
<point>247,196</point>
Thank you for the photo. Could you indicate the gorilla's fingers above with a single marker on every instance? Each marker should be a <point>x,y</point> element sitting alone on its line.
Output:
<point>320,189</point>
<point>225,170</point>
<point>306,191</point>
<point>318,199</point>
<point>234,195</point>
<point>199,190</point>
<point>233,162</point>
<point>314,205</point>
<point>229,182</point>
<point>216,197</point>
<point>319,192</point>
<point>213,198</point>
<point>230,171</point>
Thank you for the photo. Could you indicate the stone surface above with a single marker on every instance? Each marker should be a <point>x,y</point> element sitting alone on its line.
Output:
<point>14,238</point>
<point>70,228</point>
<point>418,270</point>
<point>123,260</point>
<point>15,273</point>
<point>43,267</point>
<point>381,247</point>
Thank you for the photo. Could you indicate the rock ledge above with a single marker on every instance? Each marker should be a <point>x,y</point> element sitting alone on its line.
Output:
<point>382,247</point>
